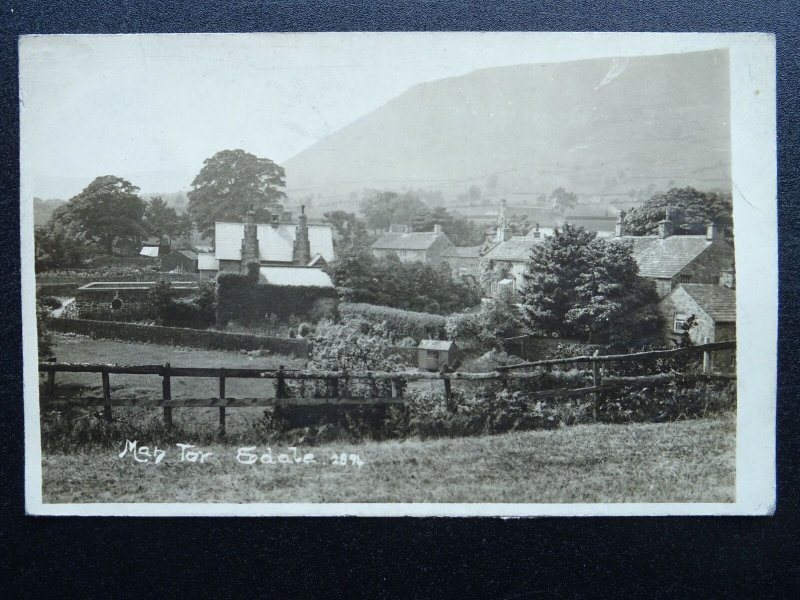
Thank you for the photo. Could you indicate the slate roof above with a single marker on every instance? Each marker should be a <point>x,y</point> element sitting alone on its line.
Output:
<point>421,240</point>
<point>516,249</point>
<point>436,345</point>
<point>462,252</point>
<point>717,301</point>
<point>275,242</point>
<point>207,262</point>
<point>296,276</point>
<point>188,254</point>
<point>664,258</point>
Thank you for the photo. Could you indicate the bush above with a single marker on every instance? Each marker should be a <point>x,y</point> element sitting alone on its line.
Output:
<point>50,302</point>
<point>396,322</point>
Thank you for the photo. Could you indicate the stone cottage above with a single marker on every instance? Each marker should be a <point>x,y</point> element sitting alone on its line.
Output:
<point>713,307</point>
<point>671,259</point>
<point>420,246</point>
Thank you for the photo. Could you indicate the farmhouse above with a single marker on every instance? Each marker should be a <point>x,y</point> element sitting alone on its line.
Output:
<point>713,308</point>
<point>277,243</point>
<point>464,262</point>
<point>423,246</point>
<point>671,259</point>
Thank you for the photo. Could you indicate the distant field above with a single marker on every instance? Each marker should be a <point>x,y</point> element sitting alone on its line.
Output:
<point>689,461</point>
<point>68,348</point>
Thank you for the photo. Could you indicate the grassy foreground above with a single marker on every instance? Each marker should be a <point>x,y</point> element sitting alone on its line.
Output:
<point>688,461</point>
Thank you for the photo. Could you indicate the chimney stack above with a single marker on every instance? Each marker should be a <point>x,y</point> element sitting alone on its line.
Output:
<point>301,252</point>
<point>619,228</point>
<point>666,227</point>
<point>250,239</point>
<point>437,228</point>
<point>714,232</point>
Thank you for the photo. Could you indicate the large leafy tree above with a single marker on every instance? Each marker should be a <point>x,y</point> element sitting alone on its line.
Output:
<point>694,210</point>
<point>106,211</point>
<point>578,285</point>
<point>162,220</point>
<point>229,183</point>
<point>382,208</point>
<point>57,248</point>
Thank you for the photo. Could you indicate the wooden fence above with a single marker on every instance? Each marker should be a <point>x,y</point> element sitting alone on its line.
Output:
<point>333,379</point>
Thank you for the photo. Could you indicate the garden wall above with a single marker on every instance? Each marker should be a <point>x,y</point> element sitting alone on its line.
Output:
<point>193,338</point>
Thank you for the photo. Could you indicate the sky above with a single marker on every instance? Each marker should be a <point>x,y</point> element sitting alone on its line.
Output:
<point>150,108</point>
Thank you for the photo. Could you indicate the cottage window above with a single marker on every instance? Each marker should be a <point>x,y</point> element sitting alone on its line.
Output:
<point>684,278</point>
<point>679,321</point>
<point>433,354</point>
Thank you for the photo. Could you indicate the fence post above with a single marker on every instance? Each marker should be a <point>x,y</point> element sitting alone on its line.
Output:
<point>334,387</point>
<point>106,396</point>
<point>167,395</point>
<point>707,361</point>
<point>50,389</point>
<point>596,380</point>
<point>448,396</point>
<point>222,397</point>
<point>280,383</point>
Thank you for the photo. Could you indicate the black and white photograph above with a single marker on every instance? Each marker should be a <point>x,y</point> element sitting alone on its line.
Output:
<point>432,274</point>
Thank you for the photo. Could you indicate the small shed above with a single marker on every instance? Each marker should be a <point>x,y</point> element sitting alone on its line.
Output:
<point>434,354</point>
<point>180,260</point>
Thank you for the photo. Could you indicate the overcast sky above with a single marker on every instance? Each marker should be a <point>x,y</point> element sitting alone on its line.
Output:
<point>151,108</point>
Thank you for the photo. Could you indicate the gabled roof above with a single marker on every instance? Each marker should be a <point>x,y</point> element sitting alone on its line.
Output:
<point>296,276</point>
<point>207,262</point>
<point>436,345</point>
<point>187,253</point>
<point>717,301</point>
<point>516,249</point>
<point>275,242</point>
<point>462,252</point>
<point>663,258</point>
<point>421,240</point>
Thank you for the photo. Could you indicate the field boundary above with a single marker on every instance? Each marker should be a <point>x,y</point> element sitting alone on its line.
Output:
<point>335,380</point>
<point>178,336</point>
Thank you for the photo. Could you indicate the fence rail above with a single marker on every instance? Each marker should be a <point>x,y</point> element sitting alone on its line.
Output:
<point>504,375</point>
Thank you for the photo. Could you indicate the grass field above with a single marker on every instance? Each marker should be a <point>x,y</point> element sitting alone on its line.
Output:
<point>689,461</point>
<point>686,461</point>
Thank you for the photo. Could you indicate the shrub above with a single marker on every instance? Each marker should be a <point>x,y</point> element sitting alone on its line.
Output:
<point>397,322</point>
<point>50,302</point>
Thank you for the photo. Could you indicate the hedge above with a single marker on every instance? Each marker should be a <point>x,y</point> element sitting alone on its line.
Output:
<point>240,298</point>
<point>178,336</point>
<point>401,323</point>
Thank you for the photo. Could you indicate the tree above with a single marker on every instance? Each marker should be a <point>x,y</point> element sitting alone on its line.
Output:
<point>563,200</point>
<point>578,285</point>
<point>229,183</point>
<point>695,209</point>
<point>162,220</point>
<point>351,231</point>
<point>106,211</point>
<point>56,248</point>
<point>381,209</point>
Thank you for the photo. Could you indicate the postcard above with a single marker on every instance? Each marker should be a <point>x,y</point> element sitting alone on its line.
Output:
<point>399,274</point>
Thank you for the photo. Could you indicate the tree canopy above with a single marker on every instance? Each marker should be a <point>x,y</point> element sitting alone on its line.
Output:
<point>695,209</point>
<point>229,183</point>
<point>563,200</point>
<point>381,209</point>
<point>162,220</point>
<point>581,286</point>
<point>361,277</point>
<point>106,211</point>
<point>350,231</point>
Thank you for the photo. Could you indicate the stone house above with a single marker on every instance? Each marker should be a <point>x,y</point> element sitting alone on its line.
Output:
<point>464,262</point>
<point>671,259</point>
<point>714,309</point>
<point>278,243</point>
<point>422,246</point>
<point>507,260</point>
